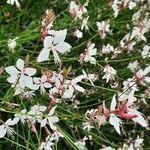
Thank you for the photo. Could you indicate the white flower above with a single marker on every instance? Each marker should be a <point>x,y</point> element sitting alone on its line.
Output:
<point>5,128</point>
<point>54,43</point>
<point>50,119</point>
<point>110,72</point>
<point>88,55</point>
<point>47,145</point>
<point>134,66</point>
<point>41,83</point>
<point>138,33</point>
<point>72,85</point>
<point>21,115</point>
<point>14,2</point>
<point>103,28</point>
<point>84,23</point>
<point>21,75</point>
<point>12,44</point>
<point>78,34</point>
<point>77,11</point>
<point>107,49</point>
<point>146,51</point>
<point>115,6</point>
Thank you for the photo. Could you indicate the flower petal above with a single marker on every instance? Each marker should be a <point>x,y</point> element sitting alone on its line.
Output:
<point>20,64</point>
<point>63,47</point>
<point>43,56</point>
<point>30,71</point>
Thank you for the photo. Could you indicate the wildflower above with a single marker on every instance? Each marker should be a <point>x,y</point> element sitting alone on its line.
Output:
<point>107,49</point>
<point>84,23</point>
<point>12,44</point>
<point>78,34</point>
<point>110,72</point>
<point>77,11</point>
<point>50,119</point>
<point>88,55</point>
<point>21,75</point>
<point>42,83</point>
<point>71,86</point>
<point>103,28</point>
<point>54,43</point>
<point>134,66</point>
<point>14,2</point>
<point>6,129</point>
<point>48,144</point>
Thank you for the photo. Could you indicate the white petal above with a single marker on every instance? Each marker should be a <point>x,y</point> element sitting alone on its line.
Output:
<point>77,79</point>
<point>60,36</point>
<point>36,80</point>
<point>146,70</point>
<point>53,119</point>
<point>52,126</point>
<point>43,56</point>
<point>28,82</point>
<point>20,64</point>
<point>63,47</point>
<point>47,85</point>
<point>48,41</point>
<point>115,121</point>
<point>12,79</point>
<point>2,131</point>
<point>52,111</point>
<point>92,60</point>
<point>30,71</point>
<point>68,93</point>
<point>56,57</point>
<point>43,122</point>
<point>79,88</point>
<point>113,103</point>
<point>11,70</point>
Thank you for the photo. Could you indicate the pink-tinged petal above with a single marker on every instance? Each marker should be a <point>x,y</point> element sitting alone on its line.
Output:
<point>79,88</point>
<point>60,36</point>
<point>43,56</point>
<point>63,47</point>
<point>139,119</point>
<point>30,71</point>
<point>11,70</point>
<point>2,131</point>
<point>20,64</point>
<point>43,78</point>
<point>47,85</point>
<point>116,122</point>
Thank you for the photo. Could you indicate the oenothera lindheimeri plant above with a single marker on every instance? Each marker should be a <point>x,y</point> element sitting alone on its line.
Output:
<point>97,79</point>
